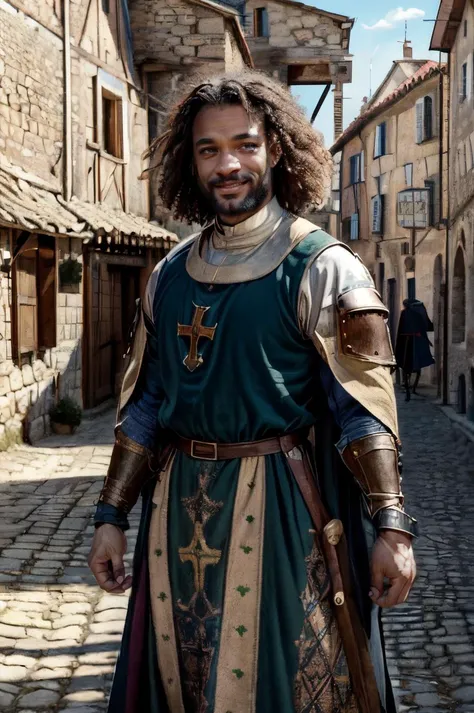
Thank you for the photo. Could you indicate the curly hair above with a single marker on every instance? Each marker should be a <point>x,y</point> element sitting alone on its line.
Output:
<point>301,177</point>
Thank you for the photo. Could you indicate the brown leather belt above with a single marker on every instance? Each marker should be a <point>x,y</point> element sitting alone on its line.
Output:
<point>204,450</point>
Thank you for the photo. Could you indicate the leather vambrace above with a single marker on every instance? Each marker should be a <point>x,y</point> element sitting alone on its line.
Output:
<point>373,461</point>
<point>130,467</point>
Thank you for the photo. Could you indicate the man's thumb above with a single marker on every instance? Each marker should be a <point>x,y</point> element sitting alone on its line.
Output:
<point>118,568</point>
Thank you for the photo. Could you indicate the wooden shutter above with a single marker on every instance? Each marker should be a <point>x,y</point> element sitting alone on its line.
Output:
<point>355,226</point>
<point>26,302</point>
<point>419,108</point>
<point>47,295</point>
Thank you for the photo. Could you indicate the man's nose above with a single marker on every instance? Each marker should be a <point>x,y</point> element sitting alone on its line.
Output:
<point>228,164</point>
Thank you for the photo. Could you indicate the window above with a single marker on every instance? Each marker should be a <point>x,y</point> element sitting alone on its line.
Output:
<point>112,127</point>
<point>431,185</point>
<point>260,22</point>
<point>106,6</point>
<point>408,174</point>
<point>354,234</point>
<point>411,288</point>
<point>425,110</point>
<point>459,298</point>
<point>34,289</point>
<point>465,28</point>
<point>405,248</point>
<point>357,168</point>
<point>377,214</point>
<point>380,140</point>
<point>382,279</point>
<point>464,82</point>
<point>428,118</point>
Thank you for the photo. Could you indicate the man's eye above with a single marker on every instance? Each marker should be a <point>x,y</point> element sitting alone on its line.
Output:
<point>207,152</point>
<point>250,147</point>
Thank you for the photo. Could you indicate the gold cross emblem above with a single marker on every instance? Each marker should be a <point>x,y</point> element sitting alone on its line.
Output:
<point>195,332</point>
<point>200,555</point>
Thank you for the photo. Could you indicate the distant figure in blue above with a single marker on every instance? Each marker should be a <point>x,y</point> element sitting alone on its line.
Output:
<point>413,346</point>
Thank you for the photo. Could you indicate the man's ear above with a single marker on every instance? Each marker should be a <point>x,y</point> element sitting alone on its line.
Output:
<point>275,152</point>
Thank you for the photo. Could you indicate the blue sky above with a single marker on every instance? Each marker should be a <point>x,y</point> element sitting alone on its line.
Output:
<point>379,45</point>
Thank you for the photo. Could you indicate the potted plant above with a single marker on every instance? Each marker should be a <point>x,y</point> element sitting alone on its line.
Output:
<point>65,416</point>
<point>70,275</point>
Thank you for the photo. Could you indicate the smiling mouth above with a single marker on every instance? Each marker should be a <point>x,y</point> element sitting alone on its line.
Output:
<point>228,188</point>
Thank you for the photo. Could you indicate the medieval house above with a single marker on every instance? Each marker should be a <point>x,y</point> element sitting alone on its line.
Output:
<point>393,189</point>
<point>454,33</point>
<point>73,249</point>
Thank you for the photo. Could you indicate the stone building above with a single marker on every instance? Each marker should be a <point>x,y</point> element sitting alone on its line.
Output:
<point>73,127</point>
<point>454,33</point>
<point>393,192</point>
<point>301,45</point>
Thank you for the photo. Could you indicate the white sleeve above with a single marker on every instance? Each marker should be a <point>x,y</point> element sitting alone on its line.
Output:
<point>336,271</point>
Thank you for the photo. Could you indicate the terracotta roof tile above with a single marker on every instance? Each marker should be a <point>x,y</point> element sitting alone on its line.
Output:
<point>31,203</point>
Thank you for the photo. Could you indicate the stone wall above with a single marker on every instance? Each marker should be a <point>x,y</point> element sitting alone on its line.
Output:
<point>461,169</point>
<point>31,106</point>
<point>177,32</point>
<point>28,392</point>
<point>292,26</point>
<point>46,12</point>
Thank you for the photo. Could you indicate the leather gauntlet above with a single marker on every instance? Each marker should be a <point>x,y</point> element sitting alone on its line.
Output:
<point>373,460</point>
<point>129,470</point>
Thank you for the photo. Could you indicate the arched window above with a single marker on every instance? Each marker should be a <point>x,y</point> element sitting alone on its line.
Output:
<point>459,298</point>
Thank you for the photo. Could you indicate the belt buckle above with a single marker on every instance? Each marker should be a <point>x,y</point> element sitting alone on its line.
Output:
<point>195,445</point>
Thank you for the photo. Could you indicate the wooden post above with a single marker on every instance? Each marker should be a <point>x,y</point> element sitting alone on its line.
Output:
<point>338,112</point>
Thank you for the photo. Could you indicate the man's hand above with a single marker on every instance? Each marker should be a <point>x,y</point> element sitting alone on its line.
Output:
<point>106,559</point>
<point>393,559</point>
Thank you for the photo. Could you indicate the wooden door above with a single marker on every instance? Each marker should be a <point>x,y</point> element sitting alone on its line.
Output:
<point>26,303</point>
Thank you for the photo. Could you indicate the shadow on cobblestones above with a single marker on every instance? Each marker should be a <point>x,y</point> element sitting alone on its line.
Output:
<point>59,634</point>
<point>430,639</point>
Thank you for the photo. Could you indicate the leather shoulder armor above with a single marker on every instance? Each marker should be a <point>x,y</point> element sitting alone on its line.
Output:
<point>363,327</point>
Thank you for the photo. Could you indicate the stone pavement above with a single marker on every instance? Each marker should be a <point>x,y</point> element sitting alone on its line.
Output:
<point>59,634</point>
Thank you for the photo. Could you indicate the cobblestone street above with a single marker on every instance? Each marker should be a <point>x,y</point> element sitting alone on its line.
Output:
<point>59,634</point>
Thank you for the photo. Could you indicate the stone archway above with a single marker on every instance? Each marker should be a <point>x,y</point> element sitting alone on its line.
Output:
<point>459,298</point>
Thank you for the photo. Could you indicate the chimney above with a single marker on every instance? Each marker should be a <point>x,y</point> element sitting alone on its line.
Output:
<point>407,50</point>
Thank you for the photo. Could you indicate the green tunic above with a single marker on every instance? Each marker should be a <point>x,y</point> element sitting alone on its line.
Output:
<point>238,589</point>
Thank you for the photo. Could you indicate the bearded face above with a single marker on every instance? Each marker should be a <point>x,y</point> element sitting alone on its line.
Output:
<point>233,161</point>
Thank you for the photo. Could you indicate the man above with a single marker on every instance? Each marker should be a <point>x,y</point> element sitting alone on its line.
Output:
<point>412,349</point>
<point>266,344</point>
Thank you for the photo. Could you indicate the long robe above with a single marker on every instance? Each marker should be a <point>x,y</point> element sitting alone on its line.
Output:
<point>230,611</point>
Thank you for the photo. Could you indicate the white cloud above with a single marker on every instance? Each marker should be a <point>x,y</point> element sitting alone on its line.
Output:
<point>393,17</point>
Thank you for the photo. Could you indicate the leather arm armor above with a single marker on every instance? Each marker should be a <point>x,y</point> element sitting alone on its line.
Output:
<point>373,460</point>
<point>129,469</point>
<point>362,327</point>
